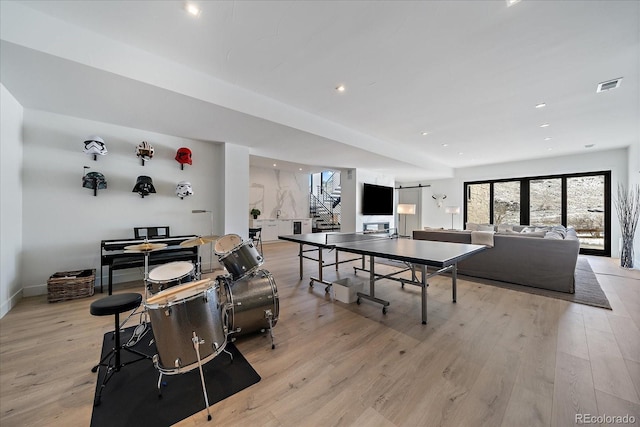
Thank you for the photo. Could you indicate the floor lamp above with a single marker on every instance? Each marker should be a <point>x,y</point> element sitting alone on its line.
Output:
<point>406,209</point>
<point>197,211</point>
<point>453,210</point>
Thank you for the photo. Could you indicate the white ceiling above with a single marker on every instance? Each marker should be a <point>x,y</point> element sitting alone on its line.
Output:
<point>263,74</point>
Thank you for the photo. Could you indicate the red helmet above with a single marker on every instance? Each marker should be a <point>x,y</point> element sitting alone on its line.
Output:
<point>184,155</point>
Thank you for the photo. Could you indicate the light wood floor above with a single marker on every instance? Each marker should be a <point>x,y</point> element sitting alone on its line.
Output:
<point>496,358</point>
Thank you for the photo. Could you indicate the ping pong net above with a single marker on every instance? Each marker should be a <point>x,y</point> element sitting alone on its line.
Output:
<point>358,236</point>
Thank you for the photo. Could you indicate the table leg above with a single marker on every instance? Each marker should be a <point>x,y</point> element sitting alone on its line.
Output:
<point>372,287</point>
<point>454,275</point>
<point>320,264</point>
<point>300,252</point>
<point>423,271</point>
<point>372,277</point>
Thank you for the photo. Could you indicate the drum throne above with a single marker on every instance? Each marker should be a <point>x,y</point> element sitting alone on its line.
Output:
<point>112,361</point>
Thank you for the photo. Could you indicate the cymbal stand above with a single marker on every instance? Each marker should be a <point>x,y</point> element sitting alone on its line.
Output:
<point>142,328</point>
<point>199,265</point>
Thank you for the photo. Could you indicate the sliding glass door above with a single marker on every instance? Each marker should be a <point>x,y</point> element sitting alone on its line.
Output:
<point>506,202</point>
<point>545,201</point>
<point>581,201</point>
<point>585,210</point>
<point>478,203</point>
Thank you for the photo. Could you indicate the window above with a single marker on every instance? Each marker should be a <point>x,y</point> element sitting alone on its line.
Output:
<point>506,202</point>
<point>478,203</point>
<point>545,201</point>
<point>585,210</point>
<point>581,201</point>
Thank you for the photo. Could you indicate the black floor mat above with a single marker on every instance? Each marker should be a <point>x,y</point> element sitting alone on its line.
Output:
<point>130,397</point>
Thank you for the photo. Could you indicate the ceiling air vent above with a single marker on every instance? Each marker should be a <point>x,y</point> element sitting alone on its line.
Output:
<point>608,85</point>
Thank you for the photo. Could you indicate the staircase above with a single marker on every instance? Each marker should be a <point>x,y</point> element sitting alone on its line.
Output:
<point>324,205</point>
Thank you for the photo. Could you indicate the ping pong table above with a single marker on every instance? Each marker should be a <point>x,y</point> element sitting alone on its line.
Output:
<point>443,256</point>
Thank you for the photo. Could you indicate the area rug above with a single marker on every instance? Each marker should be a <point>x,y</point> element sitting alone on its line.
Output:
<point>130,397</point>
<point>588,290</point>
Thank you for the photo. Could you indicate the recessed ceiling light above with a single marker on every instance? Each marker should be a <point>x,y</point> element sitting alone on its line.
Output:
<point>460,153</point>
<point>512,2</point>
<point>192,8</point>
<point>549,149</point>
<point>541,105</point>
<point>589,145</point>
<point>424,133</point>
<point>299,169</point>
<point>544,125</point>
<point>274,165</point>
<point>547,138</point>
<point>341,88</point>
<point>445,145</point>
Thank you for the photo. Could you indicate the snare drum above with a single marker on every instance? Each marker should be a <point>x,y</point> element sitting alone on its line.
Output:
<point>240,259</point>
<point>251,302</point>
<point>176,314</point>
<point>171,274</point>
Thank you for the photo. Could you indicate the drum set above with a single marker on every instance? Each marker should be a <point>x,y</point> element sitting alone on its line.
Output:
<point>192,320</point>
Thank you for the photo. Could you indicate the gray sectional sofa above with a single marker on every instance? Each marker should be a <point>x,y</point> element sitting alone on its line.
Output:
<point>543,259</point>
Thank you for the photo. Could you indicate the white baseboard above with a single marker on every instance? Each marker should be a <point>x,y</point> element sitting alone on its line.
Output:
<point>8,305</point>
<point>34,290</point>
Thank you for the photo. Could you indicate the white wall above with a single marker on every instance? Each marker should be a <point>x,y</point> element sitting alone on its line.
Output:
<point>273,190</point>
<point>352,181</point>
<point>63,223</point>
<point>236,190</point>
<point>634,179</point>
<point>10,200</point>
<point>412,196</point>
<point>614,160</point>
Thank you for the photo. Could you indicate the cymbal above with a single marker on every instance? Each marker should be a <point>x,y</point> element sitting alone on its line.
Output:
<point>202,240</point>
<point>145,247</point>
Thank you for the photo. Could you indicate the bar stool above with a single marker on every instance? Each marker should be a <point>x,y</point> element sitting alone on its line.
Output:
<point>114,305</point>
<point>255,234</point>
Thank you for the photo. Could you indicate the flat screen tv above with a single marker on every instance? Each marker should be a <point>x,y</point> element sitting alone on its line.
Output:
<point>377,200</point>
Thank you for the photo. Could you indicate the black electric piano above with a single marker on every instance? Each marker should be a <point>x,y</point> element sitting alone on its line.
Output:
<point>114,257</point>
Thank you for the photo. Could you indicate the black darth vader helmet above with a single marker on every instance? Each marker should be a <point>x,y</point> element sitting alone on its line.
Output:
<point>144,186</point>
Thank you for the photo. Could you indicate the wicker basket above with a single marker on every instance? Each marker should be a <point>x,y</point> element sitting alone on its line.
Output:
<point>67,285</point>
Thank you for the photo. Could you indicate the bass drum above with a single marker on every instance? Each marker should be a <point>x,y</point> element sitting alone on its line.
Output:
<point>178,312</point>
<point>252,302</point>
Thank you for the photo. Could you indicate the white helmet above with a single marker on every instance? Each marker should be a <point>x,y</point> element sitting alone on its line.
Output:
<point>95,145</point>
<point>183,189</point>
<point>144,150</point>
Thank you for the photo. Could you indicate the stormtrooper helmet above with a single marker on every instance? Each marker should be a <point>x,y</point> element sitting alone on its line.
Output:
<point>183,189</point>
<point>184,156</point>
<point>95,145</point>
<point>94,180</point>
<point>144,150</point>
<point>144,186</point>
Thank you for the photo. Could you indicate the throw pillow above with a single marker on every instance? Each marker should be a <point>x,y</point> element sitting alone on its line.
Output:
<point>553,235</point>
<point>560,229</point>
<point>482,238</point>
<point>528,230</point>
<point>485,227</point>
<point>502,228</point>
<point>472,226</point>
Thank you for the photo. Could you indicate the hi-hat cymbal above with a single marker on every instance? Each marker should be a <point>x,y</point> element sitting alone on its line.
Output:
<point>145,247</point>
<point>202,240</point>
